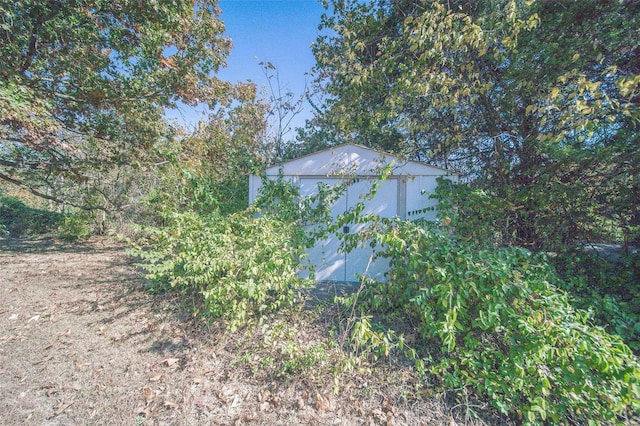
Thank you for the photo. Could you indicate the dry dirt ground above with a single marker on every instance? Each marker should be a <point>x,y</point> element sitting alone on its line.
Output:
<point>82,342</point>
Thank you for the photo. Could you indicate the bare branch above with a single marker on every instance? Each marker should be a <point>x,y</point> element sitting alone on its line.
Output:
<point>37,193</point>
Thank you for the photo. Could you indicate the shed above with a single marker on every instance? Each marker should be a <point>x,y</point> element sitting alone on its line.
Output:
<point>402,194</point>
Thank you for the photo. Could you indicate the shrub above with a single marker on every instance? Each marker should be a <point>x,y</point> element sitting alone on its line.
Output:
<point>75,226</point>
<point>240,267</point>
<point>608,285</point>
<point>501,327</point>
<point>17,219</point>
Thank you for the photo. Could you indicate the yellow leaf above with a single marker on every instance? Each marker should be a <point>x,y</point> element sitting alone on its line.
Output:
<point>611,71</point>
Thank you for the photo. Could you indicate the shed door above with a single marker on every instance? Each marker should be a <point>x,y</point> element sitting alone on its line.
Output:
<point>329,263</point>
<point>384,204</point>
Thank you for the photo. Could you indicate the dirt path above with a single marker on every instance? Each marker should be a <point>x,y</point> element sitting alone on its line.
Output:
<point>78,342</point>
<point>82,343</point>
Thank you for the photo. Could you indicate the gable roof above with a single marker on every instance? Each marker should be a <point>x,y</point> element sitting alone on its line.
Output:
<point>353,160</point>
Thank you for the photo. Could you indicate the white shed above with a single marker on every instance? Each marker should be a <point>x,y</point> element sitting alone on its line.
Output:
<point>401,194</point>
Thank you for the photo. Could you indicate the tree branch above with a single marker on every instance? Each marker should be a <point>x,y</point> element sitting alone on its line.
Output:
<point>49,197</point>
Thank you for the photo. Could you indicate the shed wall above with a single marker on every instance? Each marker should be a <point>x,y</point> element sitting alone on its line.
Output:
<point>405,194</point>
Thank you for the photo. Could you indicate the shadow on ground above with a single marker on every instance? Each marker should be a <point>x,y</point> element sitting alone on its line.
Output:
<point>45,245</point>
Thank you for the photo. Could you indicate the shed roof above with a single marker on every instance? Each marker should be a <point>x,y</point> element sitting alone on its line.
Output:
<point>353,160</point>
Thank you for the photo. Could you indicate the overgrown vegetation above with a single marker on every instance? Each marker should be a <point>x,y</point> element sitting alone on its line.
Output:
<point>485,321</point>
<point>534,104</point>
<point>17,220</point>
<point>238,266</point>
<point>492,321</point>
<point>601,279</point>
<point>606,284</point>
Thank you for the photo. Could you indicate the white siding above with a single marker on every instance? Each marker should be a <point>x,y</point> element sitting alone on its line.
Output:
<point>400,195</point>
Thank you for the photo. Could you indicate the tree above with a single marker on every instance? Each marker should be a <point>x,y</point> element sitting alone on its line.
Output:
<point>535,101</point>
<point>284,107</point>
<point>207,171</point>
<point>84,83</point>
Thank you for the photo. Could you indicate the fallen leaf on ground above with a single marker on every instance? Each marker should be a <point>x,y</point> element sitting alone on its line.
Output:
<point>170,404</point>
<point>300,403</point>
<point>82,366</point>
<point>263,395</point>
<point>324,403</point>
<point>148,394</point>
<point>246,418</point>
<point>225,395</point>
<point>204,405</point>
<point>170,362</point>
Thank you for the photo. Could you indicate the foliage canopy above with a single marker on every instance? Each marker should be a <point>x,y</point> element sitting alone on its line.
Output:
<point>536,102</point>
<point>84,83</point>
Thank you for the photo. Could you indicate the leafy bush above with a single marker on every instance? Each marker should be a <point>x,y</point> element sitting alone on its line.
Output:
<point>606,284</point>
<point>493,320</point>
<point>182,190</point>
<point>239,266</point>
<point>610,288</point>
<point>478,217</point>
<point>75,226</point>
<point>17,219</point>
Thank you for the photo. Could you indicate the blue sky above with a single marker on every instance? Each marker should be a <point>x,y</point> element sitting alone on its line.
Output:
<point>277,31</point>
